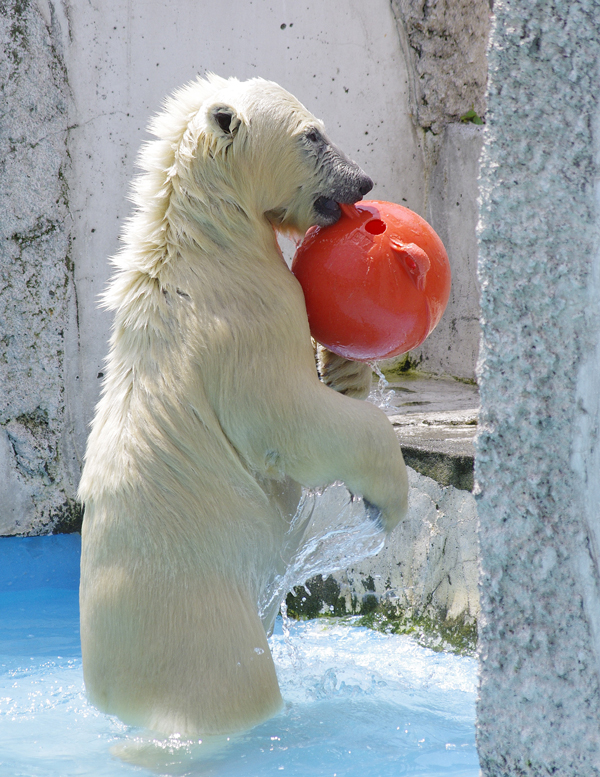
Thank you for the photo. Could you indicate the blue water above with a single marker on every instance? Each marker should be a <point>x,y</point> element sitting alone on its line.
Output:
<point>358,703</point>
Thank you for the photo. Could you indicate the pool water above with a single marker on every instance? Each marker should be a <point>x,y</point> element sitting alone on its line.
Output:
<point>358,703</point>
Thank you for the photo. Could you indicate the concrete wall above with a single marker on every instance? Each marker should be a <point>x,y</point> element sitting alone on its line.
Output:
<point>537,461</point>
<point>39,408</point>
<point>80,82</point>
<point>445,46</point>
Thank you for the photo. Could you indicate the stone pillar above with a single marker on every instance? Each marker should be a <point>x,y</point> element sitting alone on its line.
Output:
<point>537,464</point>
<point>38,308</point>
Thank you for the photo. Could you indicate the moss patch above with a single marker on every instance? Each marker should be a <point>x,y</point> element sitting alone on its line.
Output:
<point>405,364</point>
<point>321,598</point>
<point>38,419</point>
<point>67,519</point>
<point>315,598</point>
<point>453,636</point>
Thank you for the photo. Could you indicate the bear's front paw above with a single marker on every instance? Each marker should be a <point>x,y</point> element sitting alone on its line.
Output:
<point>389,509</point>
<point>345,376</point>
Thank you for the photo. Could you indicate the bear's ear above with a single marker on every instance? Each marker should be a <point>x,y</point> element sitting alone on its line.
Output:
<point>225,121</point>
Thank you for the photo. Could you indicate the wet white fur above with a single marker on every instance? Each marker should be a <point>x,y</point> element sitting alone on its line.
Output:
<point>211,414</point>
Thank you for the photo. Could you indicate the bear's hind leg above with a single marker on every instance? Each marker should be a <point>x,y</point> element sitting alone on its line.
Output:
<point>227,680</point>
<point>186,658</point>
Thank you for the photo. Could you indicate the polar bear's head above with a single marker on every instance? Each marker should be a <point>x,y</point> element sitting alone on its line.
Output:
<point>253,147</point>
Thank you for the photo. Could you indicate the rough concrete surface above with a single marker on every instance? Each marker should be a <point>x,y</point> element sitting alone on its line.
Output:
<point>430,561</point>
<point>439,445</point>
<point>453,347</point>
<point>539,703</point>
<point>425,576</point>
<point>38,466</point>
<point>452,170</point>
<point>446,41</point>
<point>435,419</point>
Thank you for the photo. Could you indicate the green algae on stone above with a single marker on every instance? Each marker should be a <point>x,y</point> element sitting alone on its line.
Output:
<point>320,598</point>
<point>436,633</point>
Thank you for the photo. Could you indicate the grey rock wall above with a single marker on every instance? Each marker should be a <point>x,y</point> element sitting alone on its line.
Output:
<point>422,582</point>
<point>38,307</point>
<point>453,347</point>
<point>539,706</point>
<point>429,565</point>
<point>445,43</point>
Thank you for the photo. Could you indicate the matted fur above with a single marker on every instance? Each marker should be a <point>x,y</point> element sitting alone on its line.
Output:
<point>211,415</point>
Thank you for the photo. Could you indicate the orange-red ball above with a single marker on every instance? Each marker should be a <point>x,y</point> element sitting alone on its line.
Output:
<point>375,283</point>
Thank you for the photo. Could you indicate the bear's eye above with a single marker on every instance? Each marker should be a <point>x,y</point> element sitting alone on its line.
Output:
<point>312,136</point>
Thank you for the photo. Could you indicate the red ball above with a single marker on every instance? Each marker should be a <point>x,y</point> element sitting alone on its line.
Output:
<point>375,283</point>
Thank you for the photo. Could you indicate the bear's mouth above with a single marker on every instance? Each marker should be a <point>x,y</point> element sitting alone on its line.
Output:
<point>328,210</point>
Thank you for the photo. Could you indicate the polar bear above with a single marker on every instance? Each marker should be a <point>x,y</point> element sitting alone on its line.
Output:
<point>212,412</point>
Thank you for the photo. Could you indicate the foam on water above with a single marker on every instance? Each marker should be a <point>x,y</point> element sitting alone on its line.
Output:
<point>357,702</point>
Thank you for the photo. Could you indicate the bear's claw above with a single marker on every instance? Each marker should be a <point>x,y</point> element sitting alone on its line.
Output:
<point>373,514</point>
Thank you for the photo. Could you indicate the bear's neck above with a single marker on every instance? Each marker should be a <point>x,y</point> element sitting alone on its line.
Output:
<point>177,228</point>
<point>221,250</point>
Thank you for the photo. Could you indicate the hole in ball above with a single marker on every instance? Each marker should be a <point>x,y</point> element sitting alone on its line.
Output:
<point>375,227</point>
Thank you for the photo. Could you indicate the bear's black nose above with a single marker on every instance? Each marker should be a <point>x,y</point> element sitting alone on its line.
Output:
<point>365,186</point>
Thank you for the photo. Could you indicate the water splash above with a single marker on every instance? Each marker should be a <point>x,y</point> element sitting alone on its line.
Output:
<point>286,630</point>
<point>381,395</point>
<point>332,530</point>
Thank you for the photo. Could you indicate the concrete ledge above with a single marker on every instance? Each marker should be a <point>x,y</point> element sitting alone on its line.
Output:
<point>446,469</point>
<point>436,421</point>
<point>439,445</point>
